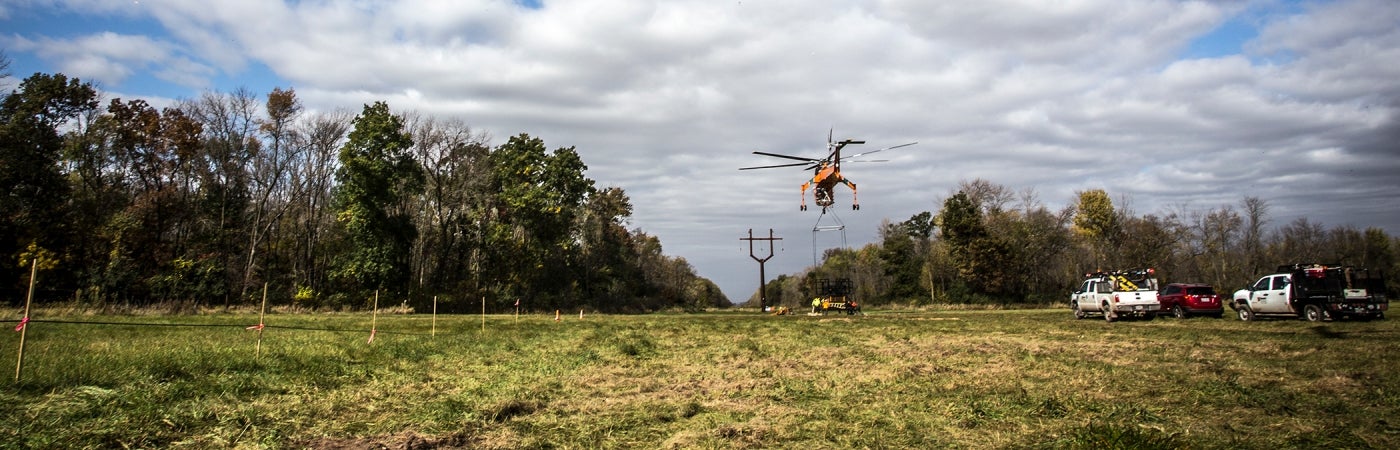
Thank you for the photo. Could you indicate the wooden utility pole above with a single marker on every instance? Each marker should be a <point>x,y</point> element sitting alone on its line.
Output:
<point>762,279</point>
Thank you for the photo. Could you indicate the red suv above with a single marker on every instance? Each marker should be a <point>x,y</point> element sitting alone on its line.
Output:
<point>1184,299</point>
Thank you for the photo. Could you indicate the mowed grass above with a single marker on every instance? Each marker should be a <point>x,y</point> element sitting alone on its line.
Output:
<point>969,379</point>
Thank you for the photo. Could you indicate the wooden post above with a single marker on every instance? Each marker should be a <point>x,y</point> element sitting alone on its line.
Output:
<point>434,332</point>
<point>262,314</point>
<point>374,317</point>
<point>483,314</point>
<point>24,322</point>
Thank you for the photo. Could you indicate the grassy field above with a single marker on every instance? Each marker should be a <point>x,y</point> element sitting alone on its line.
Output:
<point>969,379</point>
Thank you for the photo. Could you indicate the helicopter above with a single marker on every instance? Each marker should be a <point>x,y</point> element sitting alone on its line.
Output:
<point>826,172</point>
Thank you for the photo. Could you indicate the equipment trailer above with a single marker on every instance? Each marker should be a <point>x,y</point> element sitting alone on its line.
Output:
<point>835,295</point>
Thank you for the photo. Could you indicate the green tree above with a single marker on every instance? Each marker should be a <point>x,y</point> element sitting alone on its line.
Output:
<point>377,176</point>
<point>920,226</point>
<point>1097,223</point>
<point>980,257</point>
<point>533,242</point>
<point>1377,254</point>
<point>703,293</point>
<point>902,263</point>
<point>1035,243</point>
<point>33,207</point>
<point>774,292</point>
<point>605,247</point>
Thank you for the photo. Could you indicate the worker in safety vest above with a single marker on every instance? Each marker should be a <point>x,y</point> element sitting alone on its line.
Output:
<point>816,303</point>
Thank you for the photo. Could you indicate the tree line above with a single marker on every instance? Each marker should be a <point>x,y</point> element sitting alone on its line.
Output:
<point>206,201</point>
<point>990,244</point>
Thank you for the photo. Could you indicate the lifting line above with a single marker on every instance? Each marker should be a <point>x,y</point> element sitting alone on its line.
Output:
<point>839,226</point>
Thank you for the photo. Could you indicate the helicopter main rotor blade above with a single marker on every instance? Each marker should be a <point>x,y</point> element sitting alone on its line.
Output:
<point>774,166</point>
<point>775,155</point>
<point>883,149</point>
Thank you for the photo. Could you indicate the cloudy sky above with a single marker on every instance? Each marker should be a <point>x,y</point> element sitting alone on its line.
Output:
<point>1164,104</point>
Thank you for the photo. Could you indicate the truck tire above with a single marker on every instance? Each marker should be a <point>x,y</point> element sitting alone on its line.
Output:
<point>1245,313</point>
<point>1108,314</point>
<point>1078,313</point>
<point>1313,313</point>
<point>1178,312</point>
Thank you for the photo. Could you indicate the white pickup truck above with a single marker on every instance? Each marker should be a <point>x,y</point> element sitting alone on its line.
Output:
<point>1118,294</point>
<point>1314,292</point>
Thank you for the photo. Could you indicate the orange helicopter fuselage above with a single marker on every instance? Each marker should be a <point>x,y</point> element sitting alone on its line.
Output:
<point>822,182</point>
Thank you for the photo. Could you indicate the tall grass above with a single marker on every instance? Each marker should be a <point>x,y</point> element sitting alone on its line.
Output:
<point>980,379</point>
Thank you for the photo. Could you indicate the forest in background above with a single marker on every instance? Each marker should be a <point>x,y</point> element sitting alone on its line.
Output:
<point>990,244</point>
<point>205,202</point>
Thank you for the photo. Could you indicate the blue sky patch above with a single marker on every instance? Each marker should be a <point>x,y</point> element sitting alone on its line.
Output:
<point>1227,39</point>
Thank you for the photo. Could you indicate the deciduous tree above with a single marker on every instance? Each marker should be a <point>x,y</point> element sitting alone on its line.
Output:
<point>376,178</point>
<point>33,206</point>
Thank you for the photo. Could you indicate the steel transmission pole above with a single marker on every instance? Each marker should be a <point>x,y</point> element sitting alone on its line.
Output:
<point>762,279</point>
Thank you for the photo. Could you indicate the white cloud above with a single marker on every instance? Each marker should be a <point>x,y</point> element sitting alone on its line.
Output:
<point>111,57</point>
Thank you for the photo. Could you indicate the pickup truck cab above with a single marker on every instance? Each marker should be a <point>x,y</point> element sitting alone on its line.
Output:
<point>1118,294</point>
